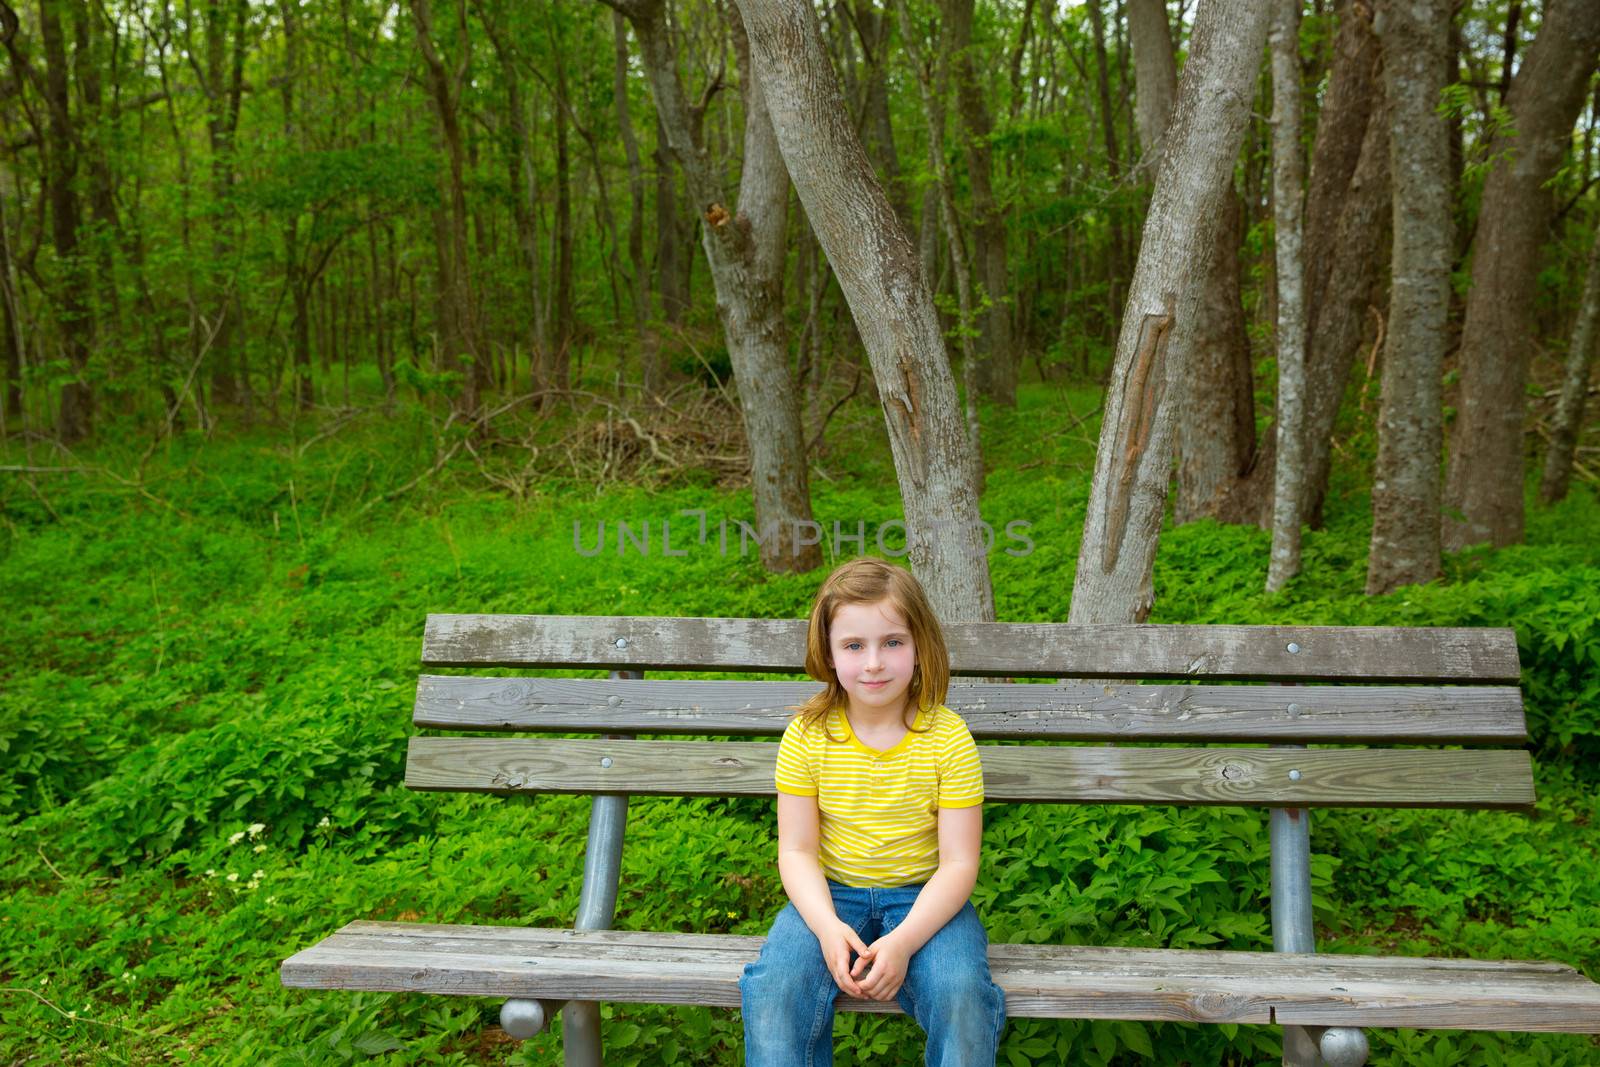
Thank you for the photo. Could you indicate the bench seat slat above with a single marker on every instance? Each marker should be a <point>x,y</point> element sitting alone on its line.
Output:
<point>1357,653</point>
<point>1057,711</point>
<point>1049,981</point>
<point>1391,778</point>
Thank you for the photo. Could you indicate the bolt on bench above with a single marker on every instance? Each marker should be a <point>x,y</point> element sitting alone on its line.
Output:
<point>1433,687</point>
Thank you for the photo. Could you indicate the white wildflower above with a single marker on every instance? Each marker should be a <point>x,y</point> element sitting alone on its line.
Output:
<point>260,849</point>
<point>233,876</point>
<point>236,838</point>
<point>256,828</point>
<point>324,823</point>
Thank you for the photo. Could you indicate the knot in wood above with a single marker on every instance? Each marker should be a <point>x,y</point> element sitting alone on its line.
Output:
<point>1232,772</point>
<point>727,761</point>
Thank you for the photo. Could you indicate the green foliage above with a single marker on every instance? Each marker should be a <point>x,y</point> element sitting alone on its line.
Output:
<point>203,728</point>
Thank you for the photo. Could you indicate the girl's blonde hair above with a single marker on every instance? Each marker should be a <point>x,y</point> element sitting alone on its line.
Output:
<point>868,581</point>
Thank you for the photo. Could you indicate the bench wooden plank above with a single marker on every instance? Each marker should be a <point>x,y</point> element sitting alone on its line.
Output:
<point>1390,778</point>
<point>1300,653</point>
<point>1040,981</point>
<point>1057,711</point>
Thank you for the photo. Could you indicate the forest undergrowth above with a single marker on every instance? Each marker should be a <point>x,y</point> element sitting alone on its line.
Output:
<point>214,647</point>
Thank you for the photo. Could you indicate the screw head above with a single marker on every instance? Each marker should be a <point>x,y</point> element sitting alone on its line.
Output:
<point>1293,648</point>
<point>614,700</point>
<point>1294,776</point>
<point>1294,711</point>
<point>605,761</point>
<point>622,642</point>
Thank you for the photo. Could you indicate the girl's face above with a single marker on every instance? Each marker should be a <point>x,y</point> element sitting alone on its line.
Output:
<point>873,655</point>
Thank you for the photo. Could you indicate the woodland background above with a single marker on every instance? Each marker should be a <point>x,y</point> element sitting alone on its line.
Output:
<point>322,315</point>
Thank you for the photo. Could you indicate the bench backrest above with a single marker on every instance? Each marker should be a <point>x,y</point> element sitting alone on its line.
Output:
<point>1404,686</point>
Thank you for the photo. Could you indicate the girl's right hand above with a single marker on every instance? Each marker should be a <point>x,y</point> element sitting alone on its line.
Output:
<point>837,943</point>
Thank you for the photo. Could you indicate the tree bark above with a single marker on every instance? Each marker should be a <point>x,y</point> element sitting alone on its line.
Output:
<point>746,251</point>
<point>1415,36</point>
<point>1116,272</point>
<point>878,271</point>
<point>672,271</point>
<point>932,110</point>
<point>75,416</point>
<point>639,285</point>
<point>1484,487</point>
<point>1155,72</point>
<point>997,366</point>
<point>872,30</point>
<point>1346,225</point>
<point>1132,463</point>
<point>1574,385</point>
<point>1288,199</point>
<point>459,339</point>
<point>557,371</point>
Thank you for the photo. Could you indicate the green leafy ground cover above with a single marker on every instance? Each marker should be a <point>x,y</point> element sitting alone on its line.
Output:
<point>208,687</point>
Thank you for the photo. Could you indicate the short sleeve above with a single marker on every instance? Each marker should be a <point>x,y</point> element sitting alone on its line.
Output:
<point>960,769</point>
<point>794,769</point>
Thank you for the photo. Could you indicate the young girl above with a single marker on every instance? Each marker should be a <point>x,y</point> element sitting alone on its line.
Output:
<point>880,816</point>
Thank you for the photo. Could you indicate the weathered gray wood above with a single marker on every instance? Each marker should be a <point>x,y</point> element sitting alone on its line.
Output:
<point>1040,981</point>
<point>1389,778</point>
<point>1360,653</point>
<point>1061,711</point>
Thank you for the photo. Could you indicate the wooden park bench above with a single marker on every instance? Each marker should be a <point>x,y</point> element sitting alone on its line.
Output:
<point>1438,687</point>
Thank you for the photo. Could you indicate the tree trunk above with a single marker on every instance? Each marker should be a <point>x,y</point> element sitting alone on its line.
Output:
<point>1485,482</point>
<point>11,406</point>
<point>1574,385</point>
<point>878,271</point>
<point>1116,272</point>
<point>75,417</point>
<point>1405,493</point>
<point>1155,72</point>
<point>1346,225</point>
<point>872,29</point>
<point>1216,432</point>
<point>1287,199</point>
<point>932,91</point>
<point>639,284</point>
<point>746,251</point>
<point>672,272</point>
<point>459,341</point>
<point>565,320</point>
<point>997,367</point>
<point>1133,461</point>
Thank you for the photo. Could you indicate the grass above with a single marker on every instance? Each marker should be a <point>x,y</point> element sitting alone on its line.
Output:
<point>212,666</point>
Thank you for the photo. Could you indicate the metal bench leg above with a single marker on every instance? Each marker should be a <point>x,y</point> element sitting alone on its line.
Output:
<point>1292,931</point>
<point>602,864</point>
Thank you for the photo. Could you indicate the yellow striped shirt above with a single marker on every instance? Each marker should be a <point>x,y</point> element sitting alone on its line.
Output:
<point>878,811</point>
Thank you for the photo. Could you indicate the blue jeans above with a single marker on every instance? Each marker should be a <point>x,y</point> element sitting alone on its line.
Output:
<point>788,993</point>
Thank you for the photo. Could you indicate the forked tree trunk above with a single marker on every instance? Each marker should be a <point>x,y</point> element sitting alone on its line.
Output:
<point>1574,385</point>
<point>1405,490</point>
<point>746,252</point>
<point>1133,462</point>
<point>878,271</point>
<point>1485,481</point>
<point>1287,200</point>
<point>1346,225</point>
<point>1216,432</point>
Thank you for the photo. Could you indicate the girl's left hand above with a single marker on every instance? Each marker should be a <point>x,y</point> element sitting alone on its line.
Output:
<point>888,959</point>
